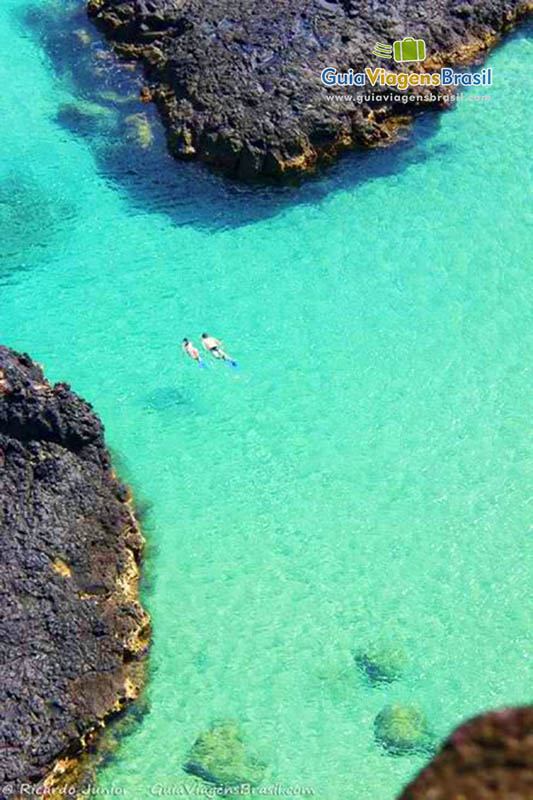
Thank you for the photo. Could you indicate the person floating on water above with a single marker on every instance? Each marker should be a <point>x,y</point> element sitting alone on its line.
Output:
<point>192,352</point>
<point>213,346</point>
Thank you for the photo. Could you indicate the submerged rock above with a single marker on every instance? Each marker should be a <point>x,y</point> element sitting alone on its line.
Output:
<point>220,756</point>
<point>402,729</point>
<point>488,758</point>
<point>85,118</point>
<point>381,663</point>
<point>140,130</point>
<point>83,36</point>
<point>238,82</point>
<point>72,632</point>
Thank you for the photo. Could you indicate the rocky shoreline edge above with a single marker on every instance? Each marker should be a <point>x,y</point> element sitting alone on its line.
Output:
<point>73,634</point>
<point>237,82</point>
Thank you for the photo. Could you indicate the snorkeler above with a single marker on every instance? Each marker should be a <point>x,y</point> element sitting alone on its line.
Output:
<point>192,352</point>
<point>213,346</point>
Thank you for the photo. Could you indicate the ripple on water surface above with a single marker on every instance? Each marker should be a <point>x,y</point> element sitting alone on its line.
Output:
<point>352,503</point>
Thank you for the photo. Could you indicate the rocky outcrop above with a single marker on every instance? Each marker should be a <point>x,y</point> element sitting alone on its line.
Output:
<point>488,758</point>
<point>72,632</point>
<point>238,82</point>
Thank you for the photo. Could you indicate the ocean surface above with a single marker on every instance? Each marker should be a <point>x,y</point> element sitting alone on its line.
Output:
<point>365,475</point>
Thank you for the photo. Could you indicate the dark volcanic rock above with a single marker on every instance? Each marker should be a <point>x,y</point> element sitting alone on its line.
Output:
<point>72,632</point>
<point>488,758</point>
<point>238,81</point>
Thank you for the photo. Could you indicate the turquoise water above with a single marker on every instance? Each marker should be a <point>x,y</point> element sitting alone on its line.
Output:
<point>366,474</point>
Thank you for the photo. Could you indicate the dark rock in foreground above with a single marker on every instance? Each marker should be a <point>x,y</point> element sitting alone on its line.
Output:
<point>488,758</point>
<point>238,81</point>
<point>72,633</point>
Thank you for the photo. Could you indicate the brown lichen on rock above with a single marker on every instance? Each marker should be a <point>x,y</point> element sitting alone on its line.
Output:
<point>72,631</point>
<point>59,566</point>
<point>488,758</point>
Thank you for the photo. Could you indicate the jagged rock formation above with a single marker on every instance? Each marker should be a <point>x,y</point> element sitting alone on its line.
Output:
<point>488,758</point>
<point>72,632</point>
<point>238,81</point>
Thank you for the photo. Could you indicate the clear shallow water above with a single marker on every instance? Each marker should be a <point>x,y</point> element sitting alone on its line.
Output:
<point>366,474</point>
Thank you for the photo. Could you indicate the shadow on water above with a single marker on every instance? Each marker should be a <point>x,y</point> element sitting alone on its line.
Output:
<point>144,513</point>
<point>164,398</point>
<point>128,140</point>
<point>31,217</point>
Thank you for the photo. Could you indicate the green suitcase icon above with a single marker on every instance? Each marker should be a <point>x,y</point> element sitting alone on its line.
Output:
<point>409,49</point>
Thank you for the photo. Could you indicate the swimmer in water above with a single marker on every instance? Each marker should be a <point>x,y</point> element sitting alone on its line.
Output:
<point>192,351</point>
<point>213,346</point>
